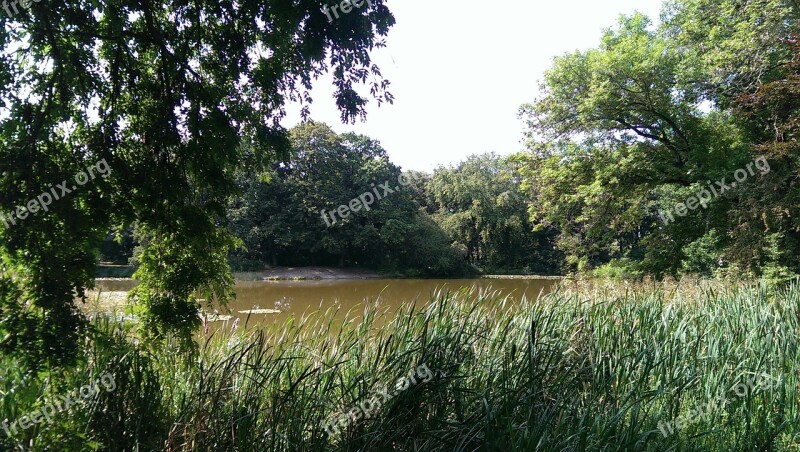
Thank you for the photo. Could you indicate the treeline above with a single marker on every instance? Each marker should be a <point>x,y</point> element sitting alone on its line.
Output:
<point>668,149</point>
<point>337,200</point>
<point>283,218</point>
<point>694,120</point>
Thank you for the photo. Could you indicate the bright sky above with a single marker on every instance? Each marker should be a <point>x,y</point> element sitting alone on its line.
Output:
<point>460,71</point>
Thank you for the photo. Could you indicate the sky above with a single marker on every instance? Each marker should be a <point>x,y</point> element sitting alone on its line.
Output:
<point>459,72</point>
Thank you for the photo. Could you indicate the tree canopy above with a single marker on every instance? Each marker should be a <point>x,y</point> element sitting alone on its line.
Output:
<point>176,97</point>
<point>164,117</point>
<point>655,114</point>
<point>285,218</point>
<point>481,206</point>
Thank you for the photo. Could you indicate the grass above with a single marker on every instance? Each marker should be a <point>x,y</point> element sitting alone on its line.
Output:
<point>589,367</point>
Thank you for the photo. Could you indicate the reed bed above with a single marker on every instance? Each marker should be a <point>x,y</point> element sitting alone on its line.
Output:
<point>588,367</point>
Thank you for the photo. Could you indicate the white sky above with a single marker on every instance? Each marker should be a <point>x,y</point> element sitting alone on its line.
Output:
<point>460,71</point>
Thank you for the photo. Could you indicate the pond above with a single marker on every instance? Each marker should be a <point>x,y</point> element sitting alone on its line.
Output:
<point>275,301</point>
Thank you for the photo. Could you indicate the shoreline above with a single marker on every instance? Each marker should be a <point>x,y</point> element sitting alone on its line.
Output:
<point>333,274</point>
<point>306,274</point>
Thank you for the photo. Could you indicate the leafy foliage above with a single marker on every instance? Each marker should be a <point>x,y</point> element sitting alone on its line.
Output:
<point>286,217</point>
<point>652,116</point>
<point>481,206</point>
<point>176,97</point>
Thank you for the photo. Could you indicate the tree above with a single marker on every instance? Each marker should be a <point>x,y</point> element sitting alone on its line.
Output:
<point>770,214</point>
<point>738,43</point>
<point>624,132</point>
<point>290,217</point>
<point>480,205</point>
<point>175,97</point>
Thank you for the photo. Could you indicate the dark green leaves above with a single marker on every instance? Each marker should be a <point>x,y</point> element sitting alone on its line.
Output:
<point>177,97</point>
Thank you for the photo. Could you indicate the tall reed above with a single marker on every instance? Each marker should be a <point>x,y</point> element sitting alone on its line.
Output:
<point>583,368</point>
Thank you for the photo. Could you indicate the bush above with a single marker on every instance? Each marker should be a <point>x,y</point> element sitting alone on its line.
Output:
<point>619,269</point>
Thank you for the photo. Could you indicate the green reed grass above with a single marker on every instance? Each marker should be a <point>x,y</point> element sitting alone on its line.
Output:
<point>589,367</point>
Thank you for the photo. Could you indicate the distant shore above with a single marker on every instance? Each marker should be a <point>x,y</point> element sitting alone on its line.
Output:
<point>306,273</point>
<point>302,274</point>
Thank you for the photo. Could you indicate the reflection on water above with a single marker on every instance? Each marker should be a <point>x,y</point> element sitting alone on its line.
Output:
<point>269,301</point>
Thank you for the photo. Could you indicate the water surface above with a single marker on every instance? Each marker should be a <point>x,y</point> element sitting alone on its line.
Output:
<point>268,301</point>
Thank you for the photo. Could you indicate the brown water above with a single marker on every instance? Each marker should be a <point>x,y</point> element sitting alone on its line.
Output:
<point>279,300</point>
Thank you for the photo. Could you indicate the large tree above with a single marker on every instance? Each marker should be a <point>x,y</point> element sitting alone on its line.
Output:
<point>771,214</point>
<point>619,122</point>
<point>289,216</point>
<point>175,97</point>
<point>624,132</point>
<point>480,205</point>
